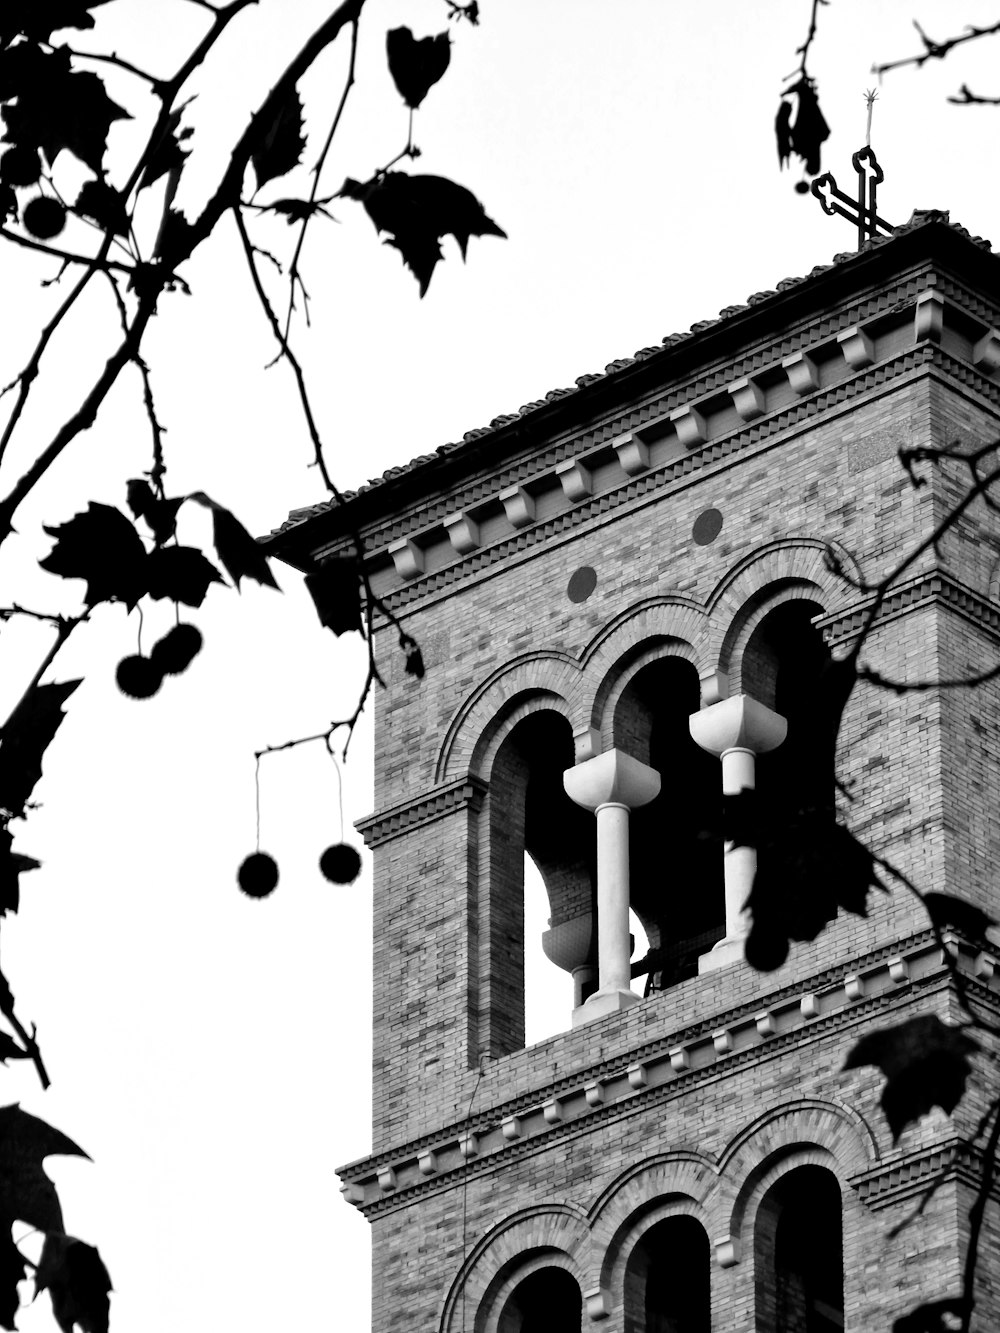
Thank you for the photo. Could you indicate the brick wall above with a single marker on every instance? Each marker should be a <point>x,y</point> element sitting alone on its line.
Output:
<point>698,1099</point>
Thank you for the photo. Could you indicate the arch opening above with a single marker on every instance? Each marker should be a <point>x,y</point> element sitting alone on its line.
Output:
<point>783,664</point>
<point>535,835</point>
<point>799,1254</point>
<point>668,1279</point>
<point>676,872</point>
<point>546,1301</point>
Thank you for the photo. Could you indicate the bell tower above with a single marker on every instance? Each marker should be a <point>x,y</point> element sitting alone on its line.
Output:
<point>625,601</point>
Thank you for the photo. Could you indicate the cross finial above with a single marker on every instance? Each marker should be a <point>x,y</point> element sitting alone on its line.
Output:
<point>862,212</point>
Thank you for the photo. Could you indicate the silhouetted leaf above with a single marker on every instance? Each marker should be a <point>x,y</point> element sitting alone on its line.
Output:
<point>26,1193</point>
<point>167,154</point>
<point>159,515</point>
<point>102,202</point>
<point>102,547</point>
<point>11,1273</point>
<point>240,554</point>
<point>12,865</point>
<point>336,592</point>
<point>280,141</point>
<point>180,573</point>
<point>930,1318</point>
<point>417,211</point>
<point>809,130</point>
<point>946,910</point>
<point>809,868</point>
<point>297,210</point>
<point>783,132</point>
<point>77,1281</point>
<point>39,19</point>
<point>925,1063</point>
<point>60,108</point>
<point>172,242</point>
<point>416,66</point>
<point>24,739</point>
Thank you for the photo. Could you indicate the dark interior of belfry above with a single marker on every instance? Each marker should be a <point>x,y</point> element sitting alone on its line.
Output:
<point>675,842</point>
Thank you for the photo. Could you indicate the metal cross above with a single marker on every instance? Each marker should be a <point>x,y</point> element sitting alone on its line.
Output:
<point>862,212</point>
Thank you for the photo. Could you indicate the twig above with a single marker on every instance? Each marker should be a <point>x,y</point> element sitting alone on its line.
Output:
<point>967,98</point>
<point>936,50</point>
<point>159,468</point>
<point>28,1040</point>
<point>157,85</point>
<point>803,50</point>
<point>293,273</point>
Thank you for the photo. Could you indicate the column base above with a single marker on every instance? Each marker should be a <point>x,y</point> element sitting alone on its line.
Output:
<point>604,1002</point>
<point>726,952</point>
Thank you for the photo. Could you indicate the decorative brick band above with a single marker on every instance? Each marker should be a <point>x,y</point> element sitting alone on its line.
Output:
<point>660,1071</point>
<point>940,588</point>
<point>387,824</point>
<point>906,1176</point>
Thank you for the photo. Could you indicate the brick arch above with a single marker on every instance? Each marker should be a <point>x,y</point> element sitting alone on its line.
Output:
<point>544,1235</point>
<point>805,1132</point>
<point>554,676</point>
<point>779,571</point>
<point>621,673</point>
<point>667,1185</point>
<point>662,620</point>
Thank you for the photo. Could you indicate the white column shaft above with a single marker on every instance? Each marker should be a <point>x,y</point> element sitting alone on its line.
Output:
<point>613,950</point>
<point>740,865</point>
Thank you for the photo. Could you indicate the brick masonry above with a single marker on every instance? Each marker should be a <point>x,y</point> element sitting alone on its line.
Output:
<point>703,1096</point>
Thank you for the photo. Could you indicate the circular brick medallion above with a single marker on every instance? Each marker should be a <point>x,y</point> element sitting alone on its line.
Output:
<point>582,583</point>
<point>707,527</point>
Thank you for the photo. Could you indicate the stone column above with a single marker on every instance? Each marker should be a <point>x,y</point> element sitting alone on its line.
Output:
<point>737,730</point>
<point>611,784</point>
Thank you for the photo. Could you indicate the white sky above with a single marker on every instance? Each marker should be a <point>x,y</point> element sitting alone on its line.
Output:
<point>211,1053</point>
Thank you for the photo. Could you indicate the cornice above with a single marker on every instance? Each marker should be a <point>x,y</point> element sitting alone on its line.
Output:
<point>384,825</point>
<point>815,335</point>
<point>645,1076</point>
<point>928,250</point>
<point>674,474</point>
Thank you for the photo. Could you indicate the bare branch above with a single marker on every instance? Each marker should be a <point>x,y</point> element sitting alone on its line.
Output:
<point>293,274</point>
<point>976,1215</point>
<point>936,50</point>
<point>966,98</point>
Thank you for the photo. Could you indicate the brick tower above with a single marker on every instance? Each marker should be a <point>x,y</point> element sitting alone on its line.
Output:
<point>615,589</point>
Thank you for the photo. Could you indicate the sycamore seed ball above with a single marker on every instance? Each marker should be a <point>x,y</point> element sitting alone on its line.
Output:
<point>258,875</point>
<point>44,217</point>
<point>138,677</point>
<point>340,864</point>
<point>177,649</point>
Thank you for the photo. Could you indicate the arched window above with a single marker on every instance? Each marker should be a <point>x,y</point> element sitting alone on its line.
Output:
<point>527,812</point>
<point>676,874</point>
<point>782,667</point>
<point>546,1301</point>
<point>799,1254</point>
<point>668,1279</point>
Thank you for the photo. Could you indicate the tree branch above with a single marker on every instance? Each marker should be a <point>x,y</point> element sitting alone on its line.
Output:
<point>936,50</point>
<point>293,273</point>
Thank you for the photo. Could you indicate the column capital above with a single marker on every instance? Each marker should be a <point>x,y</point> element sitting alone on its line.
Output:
<point>611,778</point>
<point>739,723</point>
